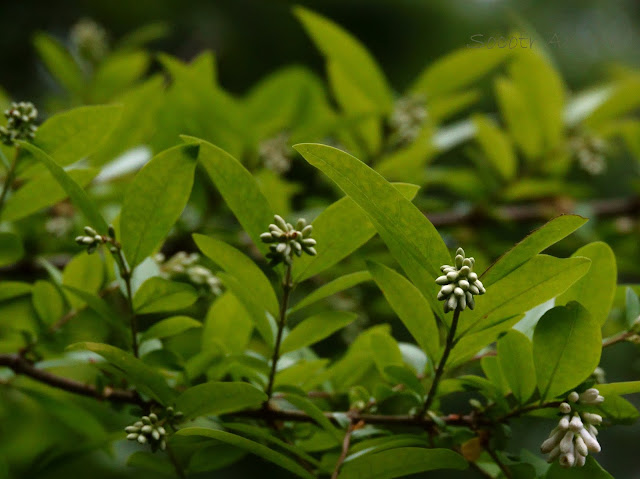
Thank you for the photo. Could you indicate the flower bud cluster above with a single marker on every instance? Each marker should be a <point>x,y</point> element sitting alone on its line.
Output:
<point>150,429</point>
<point>21,118</point>
<point>590,151</point>
<point>183,264</point>
<point>89,39</point>
<point>408,117</point>
<point>91,239</point>
<point>275,153</point>
<point>459,284</point>
<point>575,436</point>
<point>286,240</point>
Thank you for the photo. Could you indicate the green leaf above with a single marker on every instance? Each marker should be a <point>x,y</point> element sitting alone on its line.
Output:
<point>159,294</point>
<point>412,239</point>
<point>596,289</point>
<point>333,287</point>
<point>147,379</point>
<point>47,302</point>
<point>316,414</point>
<point>410,306</point>
<point>400,462</point>
<point>216,398</point>
<point>239,190</point>
<point>619,389</point>
<point>496,146</point>
<point>538,280</point>
<point>76,194</point>
<point>227,325</point>
<point>457,70</point>
<point>155,200</point>
<point>13,289</point>
<point>170,327</point>
<point>404,375</point>
<point>250,446</point>
<point>102,308</point>
<point>315,329</point>
<point>385,351</point>
<point>340,47</point>
<point>534,243</point>
<point>59,62</point>
<point>76,134</point>
<point>149,461</point>
<point>591,470</point>
<point>117,73</point>
<point>241,267</point>
<point>566,348</point>
<point>632,307</point>
<point>335,242</point>
<point>84,272</point>
<point>11,249</point>
<point>515,356</point>
<point>41,192</point>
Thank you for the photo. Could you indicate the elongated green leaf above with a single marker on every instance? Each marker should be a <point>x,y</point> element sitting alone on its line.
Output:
<point>102,308</point>
<point>241,267</point>
<point>42,192</point>
<point>146,379</point>
<point>410,306</point>
<point>155,200</point>
<point>215,398</point>
<point>538,280</point>
<point>315,329</point>
<point>458,70</point>
<point>227,325</point>
<point>11,249</point>
<point>340,47</point>
<point>170,327</point>
<point>239,190</point>
<point>336,286</point>
<point>84,272</point>
<point>117,73</point>
<point>59,62</point>
<point>515,356</point>
<point>47,302</point>
<point>13,289</point>
<point>159,294</point>
<point>337,241</point>
<point>632,307</point>
<point>496,147</point>
<point>385,351</point>
<point>316,414</point>
<point>591,470</point>
<point>74,135</point>
<point>566,348</point>
<point>596,289</point>
<point>412,239</point>
<point>75,192</point>
<point>534,243</point>
<point>406,376</point>
<point>400,462</point>
<point>619,389</point>
<point>250,446</point>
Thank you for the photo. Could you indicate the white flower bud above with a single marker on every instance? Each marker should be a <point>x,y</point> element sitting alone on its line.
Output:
<point>462,284</point>
<point>458,292</point>
<point>447,289</point>
<point>142,439</point>
<point>132,437</point>
<point>576,424</point>
<point>565,408</point>
<point>589,395</point>
<point>452,276</point>
<point>592,418</point>
<point>552,441</point>
<point>581,447</point>
<point>592,430</point>
<point>580,460</point>
<point>566,444</point>
<point>590,441</point>
<point>553,455</point>
<point>573,397</point>
<point>442,279</point>
<point>564,423</point>
<point>567,460</point>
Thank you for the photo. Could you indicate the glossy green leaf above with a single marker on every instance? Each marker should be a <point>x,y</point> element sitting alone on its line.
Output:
<point>11,249</point>
<point>515,356</point>
<point>596,289</point>
<point>227,325</point>
<point>316,414</point>
<point>335,242</point>
<point>412,239</point>
<point>159,294</point>
<point>148,380</point>
<point>341,47</point>
<point>239,190</point>
<point>251,446</point>
<point>591,470</point>
<point>170,327</point>
<point>155,200</point>
<point>384,350</point>
<point>410,306</point>
<point>42,192</point>
<point>76,134</point>
<point>59,62</point>
<point>496,146</point>
<point>333,287</point>
<point>536,281</point>
<point>13,289</point>
<point>315,329</point>
<point>84,272</point>
<point>619,389</point>
<point>566,348</point>
<point>534,243</point>
<point>241,267</point>
<point>400,462</point>
<point>75,191</point>
<point>47,302</point>
<point>215,398</point>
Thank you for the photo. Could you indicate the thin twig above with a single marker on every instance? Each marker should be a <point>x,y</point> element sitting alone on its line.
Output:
<point>8,180</point>
<point>345,448</point>
<point>441,365</point>
<point>499,463</point>
<point>287,286</point>
<point>618,338</point>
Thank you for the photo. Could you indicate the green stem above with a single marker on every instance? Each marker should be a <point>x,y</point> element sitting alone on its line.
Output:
<point>8,181</point>
<point>126,274</point>
<point>287,286</point>
<point>176,464</point>
<point>443,360</point>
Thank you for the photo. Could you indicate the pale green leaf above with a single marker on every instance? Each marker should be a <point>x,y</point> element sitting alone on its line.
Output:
<point>316,414</point>
<point>515,355</point>
<point>159,294</point>
<point>316,328</point>
<point>215,398</point>
<point>619,389</point>
<point>227,325</point>
<point>591,470</point>
<point>333,287</point>
<point>47,302</point>
<point>84,272</point>
<point>59,62</point>
<point>496,146</point>
<point>170,327</point>
<point>632,307</point>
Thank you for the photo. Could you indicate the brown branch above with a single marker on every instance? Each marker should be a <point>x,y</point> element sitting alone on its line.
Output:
<point>618,338</point>
<point>20,365</point>
<point>345,447</point>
